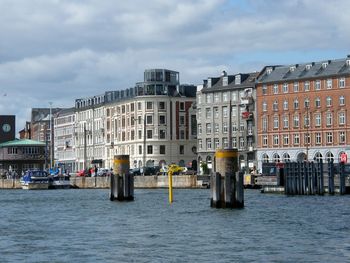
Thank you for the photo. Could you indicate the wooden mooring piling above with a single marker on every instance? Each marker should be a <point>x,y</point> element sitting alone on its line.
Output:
<point>122,183</point>
<point>307,178</point>
<point>226,183</point>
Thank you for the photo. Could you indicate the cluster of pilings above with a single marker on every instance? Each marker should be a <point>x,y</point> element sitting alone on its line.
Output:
<point>307,178</point>
<point>122,183</point>
<point>226,183</point>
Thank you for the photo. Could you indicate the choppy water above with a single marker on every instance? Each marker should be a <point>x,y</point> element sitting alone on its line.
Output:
<point>84,226</point>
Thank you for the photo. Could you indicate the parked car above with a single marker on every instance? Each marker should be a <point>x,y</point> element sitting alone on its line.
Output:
<point>103,171</point>
<point>82,173</point>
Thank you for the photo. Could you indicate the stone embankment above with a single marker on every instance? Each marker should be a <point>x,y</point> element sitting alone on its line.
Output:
<point>179,181</point>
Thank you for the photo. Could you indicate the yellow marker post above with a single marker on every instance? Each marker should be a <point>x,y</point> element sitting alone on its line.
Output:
<point>170,178</point>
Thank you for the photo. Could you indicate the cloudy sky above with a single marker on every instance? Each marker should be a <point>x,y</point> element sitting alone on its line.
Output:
<point>60,50</point>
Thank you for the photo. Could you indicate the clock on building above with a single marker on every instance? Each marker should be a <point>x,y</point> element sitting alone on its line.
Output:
<point>6,127</point>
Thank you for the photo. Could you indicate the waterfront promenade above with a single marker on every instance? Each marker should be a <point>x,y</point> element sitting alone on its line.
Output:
<point>179,181</point>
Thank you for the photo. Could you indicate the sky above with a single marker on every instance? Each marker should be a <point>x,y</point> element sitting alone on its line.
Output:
<point>60,50</point>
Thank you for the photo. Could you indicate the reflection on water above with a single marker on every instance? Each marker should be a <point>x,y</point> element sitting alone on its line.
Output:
<point>84,226</point>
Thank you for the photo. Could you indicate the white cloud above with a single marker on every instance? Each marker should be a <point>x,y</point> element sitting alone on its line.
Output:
<point>59,50</point>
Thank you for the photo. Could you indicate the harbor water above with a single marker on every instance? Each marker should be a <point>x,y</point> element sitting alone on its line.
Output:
<point>84,226</point>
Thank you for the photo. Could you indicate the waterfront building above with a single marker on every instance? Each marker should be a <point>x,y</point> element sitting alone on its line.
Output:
<point>89,135</point>
<point>303,111</point>
<point>153,122</point>
<point>20,155</point>
<point>64,138</point>
<point>217,128</point>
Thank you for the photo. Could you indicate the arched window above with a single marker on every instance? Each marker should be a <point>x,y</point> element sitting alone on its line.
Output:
<point>318,157</point>
<point>329,101</point>
<point>286,157</point>
<point>276,158</point>
<point>265,158</point>
<point>329,156</point>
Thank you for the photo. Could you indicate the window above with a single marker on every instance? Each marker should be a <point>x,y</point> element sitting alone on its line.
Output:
<point>318,138</point>
<point>224,112</point>
<point>285,139</point>
<point>200,144</point>
<point>317,102</point>
<point>182,134</point>
<point>275,105</point>
<point>329,157</point>
<point>317,119</point>
<point>234,142</point>
<point>208,98</point>
<point>265,158</point>
<point>264,106</point>
<point>341,118</point>
<point>286,121</point>
<point>234,95</point>
<point>264,140</point>
<point>275,122</point>
<point>296,104</point>
<point>149,149</point>
<point>140,149</point>
<point>342,83</point>
<point>329,83</point>
<point>307,138</point>
<point>296,139</point>
<point>149,134</point>
<point>275,139</point>
<point>208,144</point>
<point>275,89</point>
<point>161,119</point>
<point>241,143</point>
<point>161,149</point>
<point>264,124</point>
<point>342,138</point>
<point>181,149</point>
<point>149,119</point>
<point>285,104</point>
<point>216,143</point>
<point>225,143</point>
<point>149,105</point>
<point>139,134</point>
<point>329,101</point>
<point>225,127</point>
<point>216,97</point>
<point>329,119</point>
<point>161,105</point>
<point>276,158</point>
<point>264,89</point>
<point>208,128</point>
<point>296,121</point>
<point>318,157</point>
<point>199,129</point>
<point>296,86</point>
<point>307,103</point>
<point>306,120</point>
<point>285,88</point>
<point>286,157</point>
<point>341,100</point>
<point>162,134</point>
<point>317,85</point>
<point>225,96</point>
<point>329,137</point>
<point>307,86</point>
<point>216,113</point>
<point>208,113</point>
<point>216,127</point>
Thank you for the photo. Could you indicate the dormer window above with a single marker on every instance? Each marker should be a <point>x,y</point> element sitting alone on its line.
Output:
<point>268,71</point>
<point>308,66</point>
<point>238,79</point>
<point>292,68</point>
<point>324,64</point>
<point>225,81</point>
<point>348,62</point>
<point>209,83</point>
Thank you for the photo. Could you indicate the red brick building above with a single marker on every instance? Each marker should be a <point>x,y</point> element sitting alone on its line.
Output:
<point>303,111</point>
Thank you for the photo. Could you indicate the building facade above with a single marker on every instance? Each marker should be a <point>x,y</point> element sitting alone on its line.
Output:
<point>64,139</point>
<point>303,111</point>
<point>152,122</point>
<point>226,115</point>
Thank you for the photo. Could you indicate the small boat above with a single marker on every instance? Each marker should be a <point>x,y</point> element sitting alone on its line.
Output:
<point>35,180</point>
<point>59,181</point>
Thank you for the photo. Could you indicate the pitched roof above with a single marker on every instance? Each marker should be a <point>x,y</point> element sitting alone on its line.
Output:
<point>20,142</point>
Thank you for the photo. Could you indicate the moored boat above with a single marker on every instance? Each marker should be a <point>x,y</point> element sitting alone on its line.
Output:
<point>35,180</point>
<point>59,181</point>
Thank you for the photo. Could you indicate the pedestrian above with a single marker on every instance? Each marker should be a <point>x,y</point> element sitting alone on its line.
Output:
<point>96,170</point>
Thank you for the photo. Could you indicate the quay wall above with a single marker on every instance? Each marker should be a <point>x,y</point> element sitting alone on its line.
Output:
<point>179,181</point>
